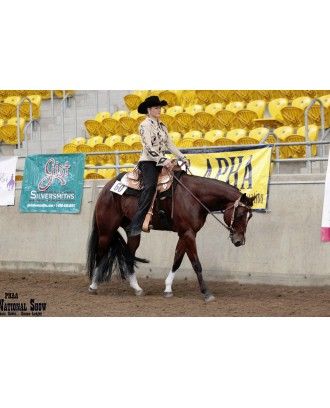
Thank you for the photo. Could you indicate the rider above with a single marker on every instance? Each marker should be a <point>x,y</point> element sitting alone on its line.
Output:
<point>155,141</point>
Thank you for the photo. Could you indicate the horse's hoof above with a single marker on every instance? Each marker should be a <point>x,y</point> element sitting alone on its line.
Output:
<point>209,298</point>
<point>92,291</point>
<point>168,294</point>
<point>139,292</point>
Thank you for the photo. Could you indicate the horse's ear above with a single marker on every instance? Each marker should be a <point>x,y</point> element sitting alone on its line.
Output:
<point>248,200</point>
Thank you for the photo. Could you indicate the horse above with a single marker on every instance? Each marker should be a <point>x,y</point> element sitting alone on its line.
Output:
<point>193,199</point>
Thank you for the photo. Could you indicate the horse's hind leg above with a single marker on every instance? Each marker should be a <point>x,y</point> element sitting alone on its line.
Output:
<point>103,247</point>
<point>178,257</point>
<point>133,244</point>
<point>190,240</point>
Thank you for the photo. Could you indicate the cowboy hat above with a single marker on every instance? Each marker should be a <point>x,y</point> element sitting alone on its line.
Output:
<point>150,102</point>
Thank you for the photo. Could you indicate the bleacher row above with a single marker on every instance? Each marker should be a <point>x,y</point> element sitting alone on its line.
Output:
<point>9,100</point>
<point>206,118</point>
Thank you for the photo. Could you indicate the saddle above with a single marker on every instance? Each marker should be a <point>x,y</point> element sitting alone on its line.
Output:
<point>132,180</point>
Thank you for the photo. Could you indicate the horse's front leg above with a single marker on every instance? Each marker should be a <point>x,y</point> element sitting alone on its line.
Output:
<point>178,257</point>
<point>191,249</point>
<point>133,244</point>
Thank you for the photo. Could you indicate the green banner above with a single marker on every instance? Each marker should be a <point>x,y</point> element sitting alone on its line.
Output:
<point>53,183</point>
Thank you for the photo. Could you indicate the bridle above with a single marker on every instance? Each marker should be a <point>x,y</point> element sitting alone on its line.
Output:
<point>237,204</point>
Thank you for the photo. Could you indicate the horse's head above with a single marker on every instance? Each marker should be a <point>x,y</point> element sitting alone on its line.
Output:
<point>237,215</point>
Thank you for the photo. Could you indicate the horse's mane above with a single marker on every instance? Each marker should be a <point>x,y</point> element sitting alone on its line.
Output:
<point>217,182</point>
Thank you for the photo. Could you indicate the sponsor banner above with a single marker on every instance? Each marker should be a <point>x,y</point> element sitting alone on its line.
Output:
<point>7,179</point>
<point>325,226</point>
<point>247,169</point>
<point>53,183</point>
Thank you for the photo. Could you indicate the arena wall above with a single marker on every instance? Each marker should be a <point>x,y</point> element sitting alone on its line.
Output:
<point>283,245</point>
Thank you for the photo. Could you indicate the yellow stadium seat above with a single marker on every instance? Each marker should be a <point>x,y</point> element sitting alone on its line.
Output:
<point>102,115</point>
<point>174,110</point>
<point>235,106</point>
<point>93,127</point>
<point>259,133</point>
<point>111,126</point>
<point>8,108</point>
<point>8,132</point>
<point>170,97</point>
<point>186,143</point>
<point>225,95</point>
<point>183,122</point>
<point>111,140</point>
<point>204,97</point>
<point>205,121</point>
<point>18,177</point>
<point>224,141</point>
<point>135,114</point>
<point>91,174</point>
<point>313,134</point>
<point>143,94</point>
<point>202,143</point>
<point>258,106</point>
<point>70,148</point>
<point>2,122</point>
<point>25,107</point>
<point>213,135</point>
<point>236,134</point>
<point>224,119</point>
<point>245,117</point>
<point>133,138</point>
<point>78,141</point>
<point>101,159</point>
<point>275,107</point>
<point>301,102</point>
<point>107,173</point>
<point>247,140</point>
<point>127,169</point>
<point>292,116</point>
<point>187,98</point>
<point>193,134</point>
<point>132,101</point>
<point>242,94</point>
<point>283,132</point>
<point>85,148</point>
<point>119,114</point>
<point>129,125</point>
<point>325,100</point>
<point>167,120</point>
<point>175,136</point>
<point>193,109</point>
<point>60,94</point>
<point>213,108</point>
<point>94,140</point>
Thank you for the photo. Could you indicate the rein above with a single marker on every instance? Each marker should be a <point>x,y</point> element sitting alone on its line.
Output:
<point>235,205</point>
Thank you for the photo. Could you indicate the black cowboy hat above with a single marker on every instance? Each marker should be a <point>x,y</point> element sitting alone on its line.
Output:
<point>150,102</point>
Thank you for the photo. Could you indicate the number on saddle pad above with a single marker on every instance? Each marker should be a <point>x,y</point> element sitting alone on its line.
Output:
<point>118,188</point>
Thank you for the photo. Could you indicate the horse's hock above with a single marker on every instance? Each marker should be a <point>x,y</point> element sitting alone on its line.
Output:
<point>282,246</point>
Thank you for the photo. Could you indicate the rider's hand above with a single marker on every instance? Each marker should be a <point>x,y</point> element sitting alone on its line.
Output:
<point>168,163</point>
<point>184,161</point>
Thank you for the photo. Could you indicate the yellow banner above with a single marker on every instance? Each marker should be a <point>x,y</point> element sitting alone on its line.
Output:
<point>248,170</point>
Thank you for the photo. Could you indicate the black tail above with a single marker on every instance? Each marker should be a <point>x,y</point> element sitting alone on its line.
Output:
<point>118,258</point>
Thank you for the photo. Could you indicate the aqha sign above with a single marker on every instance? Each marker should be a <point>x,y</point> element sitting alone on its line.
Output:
<point>53,183</point>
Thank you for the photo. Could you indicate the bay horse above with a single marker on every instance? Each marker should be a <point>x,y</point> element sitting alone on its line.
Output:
<point>193,199</point>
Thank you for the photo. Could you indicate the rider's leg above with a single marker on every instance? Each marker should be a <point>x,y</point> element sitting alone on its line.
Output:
<point>149,173</point>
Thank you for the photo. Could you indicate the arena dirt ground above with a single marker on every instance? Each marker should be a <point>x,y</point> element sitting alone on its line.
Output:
<point>67,295</point>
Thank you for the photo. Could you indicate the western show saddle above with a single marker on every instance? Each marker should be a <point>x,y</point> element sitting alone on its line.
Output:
<point>132,180</point>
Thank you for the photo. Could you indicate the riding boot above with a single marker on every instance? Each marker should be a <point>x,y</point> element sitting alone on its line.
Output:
<point>149,174</point>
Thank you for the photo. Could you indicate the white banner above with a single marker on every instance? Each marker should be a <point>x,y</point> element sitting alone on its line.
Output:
<point>325,228</point>
<point>7,180</point>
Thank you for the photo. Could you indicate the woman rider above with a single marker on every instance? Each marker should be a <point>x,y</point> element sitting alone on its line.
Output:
<point>155,141</point>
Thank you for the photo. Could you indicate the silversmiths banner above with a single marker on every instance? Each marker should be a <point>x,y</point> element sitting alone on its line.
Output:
<point>246,169</point>
<point>53,183</point>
